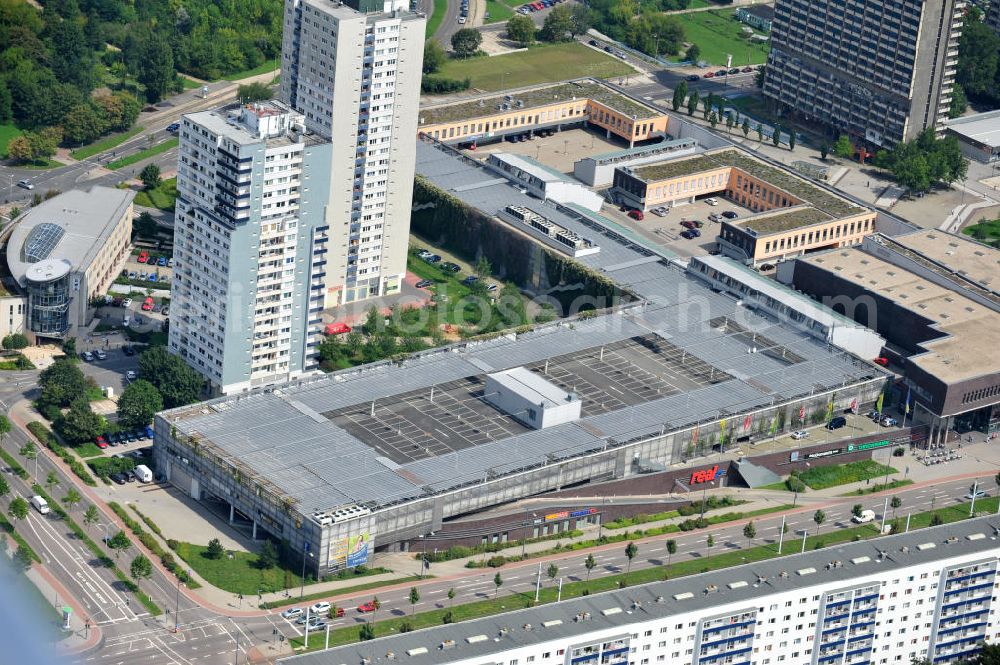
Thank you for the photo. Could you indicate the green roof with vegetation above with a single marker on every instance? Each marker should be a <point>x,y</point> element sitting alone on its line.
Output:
<point>783,219</point>
<point>485,106</point>
<point>785,180</point>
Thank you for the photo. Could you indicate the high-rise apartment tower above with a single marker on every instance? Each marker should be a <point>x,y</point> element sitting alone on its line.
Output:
<point>879,71</point>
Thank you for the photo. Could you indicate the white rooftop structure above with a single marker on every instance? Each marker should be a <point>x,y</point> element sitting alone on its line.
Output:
<point>542,181</point>
<point>979,135</point>
<point>531,399</point>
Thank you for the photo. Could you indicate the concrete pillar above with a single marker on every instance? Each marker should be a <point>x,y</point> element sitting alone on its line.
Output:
<point>607,134</point>
<point>254,536</point>
<point>232,513</point>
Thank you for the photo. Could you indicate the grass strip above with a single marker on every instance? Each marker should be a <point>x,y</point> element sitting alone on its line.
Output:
<point>479,609</point>
<point>18,470</point>
<point>8,528</point>
<point>104,559</point>
<point>48,439</point>
<point>874,489</point>
<point>144,154</point>
<point>270,605</point>
<point>822,477</point>
<point>104,144</point>
<point>436,18</point>
<point>153,545</point>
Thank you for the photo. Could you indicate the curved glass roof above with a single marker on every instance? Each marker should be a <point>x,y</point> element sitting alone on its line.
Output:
<point>41,241</point>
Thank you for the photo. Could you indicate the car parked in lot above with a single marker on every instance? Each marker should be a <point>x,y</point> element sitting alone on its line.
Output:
<point>637,215</point>
<point>470,279</point>
<point>143,256</point>
<point>660,211</point>
<point>118,478</point>
<point>747,69</point>
<point>291,613</point>
<point>131,375</point>
<point>322,607</point>
<point>881,360</point>
<point>593,42</point>
<point>366,607</point>
<point>693,77</point>
<point>837,423</point>
<point>690,234</point>
<point>147,304</point>
<point>710,75</point>
<point>800,434</point>
<point>975,493</point>
<point>729,214</point>
<point>889,421</point>
<point>712,201</point>
<point>424,283</point>
<point>174,127</point>
<point>101,442</point>
<point>721,72</point>
<point>450,267</point>
<point>688,224</point>
<point>734,70</point>
<point>714,218</point>
<point>88,356</point>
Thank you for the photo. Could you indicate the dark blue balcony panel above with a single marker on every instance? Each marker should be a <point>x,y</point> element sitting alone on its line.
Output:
<point>967,626</point>
<point>727,626</point>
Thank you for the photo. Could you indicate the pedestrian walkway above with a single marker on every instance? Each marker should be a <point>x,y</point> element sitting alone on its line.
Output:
<point>82,636</point>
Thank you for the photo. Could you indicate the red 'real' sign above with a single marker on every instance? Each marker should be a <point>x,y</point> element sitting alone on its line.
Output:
<point>704,476</point>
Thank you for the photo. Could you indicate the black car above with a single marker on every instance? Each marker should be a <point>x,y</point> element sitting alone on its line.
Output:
<point>693,77</point>
<point>119,478</point>
<point>593,42</point>
<point>721,72</point>
<point>173,127</point>
<point>608,49</point>
<point>729,214</point>
<point>734,70</point>
<point>424,283</point>
<point>451,267</point>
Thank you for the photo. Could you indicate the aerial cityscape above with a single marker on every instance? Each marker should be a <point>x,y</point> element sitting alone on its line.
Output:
<point>500,332</point>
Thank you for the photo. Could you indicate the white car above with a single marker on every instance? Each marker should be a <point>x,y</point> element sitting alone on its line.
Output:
<point>322,607</point>
<point>131,375</point>
<point>127,303</point>
<point>712,201</point>
<point>801,434</point>
<point>101,355</point>
<point>461,19</point>
<point>292,612</point>
<point>88,356</point>
<point>978,494</point>
<point>25,184</point>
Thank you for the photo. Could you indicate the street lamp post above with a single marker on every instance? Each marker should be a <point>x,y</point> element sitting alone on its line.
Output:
<point>177,606</point>
<point>305,551</point>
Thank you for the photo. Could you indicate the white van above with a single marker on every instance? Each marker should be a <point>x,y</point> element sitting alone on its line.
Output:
<point>143,474</point>
<point>865,517</point>
<point>40,504</point>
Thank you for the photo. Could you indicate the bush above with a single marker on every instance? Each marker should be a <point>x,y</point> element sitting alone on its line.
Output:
<point>48,439</point>
<point>103,467</point>
<point>432,85</point>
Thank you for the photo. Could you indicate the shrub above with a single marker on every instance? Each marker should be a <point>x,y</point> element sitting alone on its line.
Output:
<point>431,84</point>
<point>48,439</point>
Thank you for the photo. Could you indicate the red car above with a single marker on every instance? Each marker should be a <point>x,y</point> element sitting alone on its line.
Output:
<point>636,215</point>
<point>101,443</point>
<point>147,304</point>
<point>747,69</point>
<point>367,607</point>
<point>709,75</point>
<point>884,362</point>
<point>339,613</point>
<point>143,256</point>
<point>337,328</point>
<point>688,224</point>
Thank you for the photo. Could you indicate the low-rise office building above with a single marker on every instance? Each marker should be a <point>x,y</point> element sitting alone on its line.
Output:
<point>793,216</point>
<point>65,252</point>
<point>978,135</point>
<point>922,594</point>
<point>584,102</point>
<point>934,296</point>
<point>542,181</point>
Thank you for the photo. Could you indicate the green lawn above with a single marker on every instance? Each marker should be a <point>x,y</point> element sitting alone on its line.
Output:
<point>986,231</point>
<point>239,574</point>
<point>499,11</point>
<point>144,154</point>
<point>718,34</point>
<point>104,144</point>
<point>263,68</point>
<point>163,197</point>
<point>43,164</point>
<point>539,64</point>
<point>7,133</point>
<point>436,18</point>
<point>821,477</point>
<point>309,597</point>
<point>88,449</point>
<point>189,84</point>
<point>880,487</point>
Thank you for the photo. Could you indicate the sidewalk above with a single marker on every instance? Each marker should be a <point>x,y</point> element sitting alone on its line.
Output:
<point>81,637</point>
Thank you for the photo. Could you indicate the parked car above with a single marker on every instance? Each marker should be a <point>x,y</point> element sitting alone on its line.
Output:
<point>130,476</point>
<point>143,256</point>
<point>291,613</point>
<point>712,201</point>
<point>131,375</point>
<point>147,304</point>
<point>127,303</point>
<point>315,623</point>
<point>366,607</point>
<point>801,434</point>
<point>889,421</point>
<point>881,360</point>
<point>88,356</point>
<point>149,432</point>
<point>174,127</point>
<point>162,262</point>
<point>690,234</point>
<point>874,415</point>
<point>424,283</point>
<point>734,70</point>
<point>470,279</point>
<point>637,215</point>
<point>450,267</point>
<point>747,69</point>
<point>693,77</point>
<point>101,355</point>
<point>836,423</point>
<point>25,184</point>
<point>593,42</point>
<point>710,75</point>
<point>608,49</point>
<point>660,211</point>
<point>721,72</point>
<point>714,218</point>
<point>118,477</point>
<point>322,607</point>
<point>695,233</point>
<point>729,214</point>
<point>101,442</point>
<point>130,436</point>
<point>433,258</point>
<point>975,493</point>
<point>688,224</point>
<point>492,287</point>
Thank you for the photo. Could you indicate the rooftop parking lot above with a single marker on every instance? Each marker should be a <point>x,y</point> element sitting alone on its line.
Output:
<point>559,151</point>
<point>417,424</point>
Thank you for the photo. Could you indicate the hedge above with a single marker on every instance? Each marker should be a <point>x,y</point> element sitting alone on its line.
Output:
<point>48,439</point>
<point>153,545</point>
<point>105,466</point>
<point>440,84</point>
<point>12,463</point>
<point>8,528</point>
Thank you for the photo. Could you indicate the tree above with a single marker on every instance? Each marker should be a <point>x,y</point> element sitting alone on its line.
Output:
<point>145,225</point>
<point>749,532</point>
<point>18,508</point>
<point>483,267</point>
<point>730,121</point>
<point>253,92</point>
<point>842,147</point>
<point>23,557</point>
<point>15,341</point>
<point>654,33</point>
<point>80,423</point>
<point>51,481</point>
<point>692,104</point>
<point>824,150</point>
<point>819,517</point>
<point>434,55</point>
<point>959,103</point>
<point>776,135</point>
<point>857,509</point>
<point>90,516</point>
<point>497,582</point>
<point>713,119</point>
<point>710,543</point>
<point>631,550</point>
<point>581,20</point>
<point>978,69</point>
<point>5,427</point>
<point>521,29</point>
<point>465,42</point>
<point>671,549</point>
<point>62,382</point>
<point>366,632</point>
<point>895,502</point>
<point>680,94</point>
<point>760,132</point>
<point>150,176</point>
<point>414,599</point>
<point>589,563</point>
<point>82,124</point>
<point>552,571</point>
<point>4,487</point>
<point>215,549</point>
<point>138,403</point>
<point>69,346</point>
<point>19,149</point>
<point>156,66</point>
<point>72,498</point>
<point>791,138</point>
<point>451,597</point>
<point>745,127</point>
<point>936,520</point>
<point>141,568</point>
<point>29,451</point>
<point>693,53</point>
<point>559,25</point>
<point>177,382</point>
<point>119,543</point>
<point>268,556</point>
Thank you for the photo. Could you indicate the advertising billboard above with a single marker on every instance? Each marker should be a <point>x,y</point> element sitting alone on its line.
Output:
<point>357,549</point>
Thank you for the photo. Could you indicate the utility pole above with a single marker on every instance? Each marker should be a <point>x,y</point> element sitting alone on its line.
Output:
<point>559,594</point>
<point>972,506</point>
<point>538,581</point>
<point>805,532</point>
<point>885,509</point>
<point>781,534</point>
